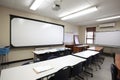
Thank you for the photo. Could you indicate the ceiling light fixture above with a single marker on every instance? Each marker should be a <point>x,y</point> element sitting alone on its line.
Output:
<point>79,13</point>
<point>74,10</point>
<point>109,18</point>
<point>36,4</point>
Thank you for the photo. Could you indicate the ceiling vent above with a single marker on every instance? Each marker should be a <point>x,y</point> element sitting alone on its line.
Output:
<point>107,25</point>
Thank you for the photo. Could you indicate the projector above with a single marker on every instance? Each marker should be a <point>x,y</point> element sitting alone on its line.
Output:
<point>56,7</point>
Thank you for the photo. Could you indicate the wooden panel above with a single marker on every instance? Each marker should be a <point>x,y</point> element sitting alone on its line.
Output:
<point>70,46</point>
<point>77,49</point>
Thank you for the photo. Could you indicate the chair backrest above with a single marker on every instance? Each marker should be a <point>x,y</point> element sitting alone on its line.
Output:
<point>113,57</point>
<point>51,57</point>
<point>58,54</point>
<point>63,74</point>
<point>43,57</point>
<point>4,50</point>
<point>36,60</point>
<point>114,72</point>
<point>67,52</point>
<point>77,69</point>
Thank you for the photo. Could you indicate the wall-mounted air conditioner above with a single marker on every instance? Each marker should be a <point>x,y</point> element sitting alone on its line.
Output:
<point>107,25</point>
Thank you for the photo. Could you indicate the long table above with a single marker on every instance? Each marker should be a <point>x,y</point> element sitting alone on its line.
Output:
<point>86,54</point>
<point>44,54</point>
<point>38,52</point>
<point>26,72</point>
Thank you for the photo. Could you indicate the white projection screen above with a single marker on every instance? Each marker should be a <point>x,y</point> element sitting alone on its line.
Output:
<point>29,32</point>
<point>111,39</point>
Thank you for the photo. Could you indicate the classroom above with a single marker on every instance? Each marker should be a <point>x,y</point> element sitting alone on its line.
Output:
<point>59,40</point>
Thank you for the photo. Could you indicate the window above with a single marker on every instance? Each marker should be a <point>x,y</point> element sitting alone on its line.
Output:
<point>90,35</point>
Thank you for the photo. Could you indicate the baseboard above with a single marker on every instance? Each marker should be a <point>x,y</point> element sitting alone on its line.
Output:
<point>16,61</point>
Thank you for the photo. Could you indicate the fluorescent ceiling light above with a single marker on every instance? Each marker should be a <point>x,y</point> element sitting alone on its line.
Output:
<point>79,13</point>
<point>73,11</point>
<point>109,18</point>
<point>36,4</point>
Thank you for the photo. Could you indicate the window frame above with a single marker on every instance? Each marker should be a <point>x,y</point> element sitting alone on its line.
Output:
<point>90,29</point>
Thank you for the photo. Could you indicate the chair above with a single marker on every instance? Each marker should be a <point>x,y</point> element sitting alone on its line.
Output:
<point>113,57</point>
<point>4,52</point>
<point>59,53</point>
<point>4,55</point>
<point>62,74</point>
<point>51,57</point>
<point>77,70</point>
<point>114,72</point>
<point>95,61</point>
<point>36,60</point>
<point>87,67</point>
<point>43,57</point>
<point>67,52</point>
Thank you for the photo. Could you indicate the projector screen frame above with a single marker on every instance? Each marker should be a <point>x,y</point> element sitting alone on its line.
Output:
<point>14,16</point>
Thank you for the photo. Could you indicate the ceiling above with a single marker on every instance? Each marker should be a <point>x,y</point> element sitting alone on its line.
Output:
<point>106,8</point>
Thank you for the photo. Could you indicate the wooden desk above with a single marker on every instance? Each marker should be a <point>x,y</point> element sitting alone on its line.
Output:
<point>77,48</point>
<point>70,46</point>
<point>96,48</point>
<point>80,48</point>
<point>117,62</point>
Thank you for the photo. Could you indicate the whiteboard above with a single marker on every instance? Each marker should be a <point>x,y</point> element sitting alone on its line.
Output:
<point>68,38</point>
<point>111,39</point>
<point>28,32</point>
<point>76,39</point>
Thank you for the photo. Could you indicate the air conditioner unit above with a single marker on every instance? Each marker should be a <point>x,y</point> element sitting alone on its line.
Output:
<point>107,25</point>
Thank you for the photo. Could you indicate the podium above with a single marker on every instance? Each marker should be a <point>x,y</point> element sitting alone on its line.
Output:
<point>76,46</point>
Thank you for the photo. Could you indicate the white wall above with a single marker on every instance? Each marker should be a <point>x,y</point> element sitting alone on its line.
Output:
<point>24,53</point>
<point>116,27</point>
<point>106,49</point>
